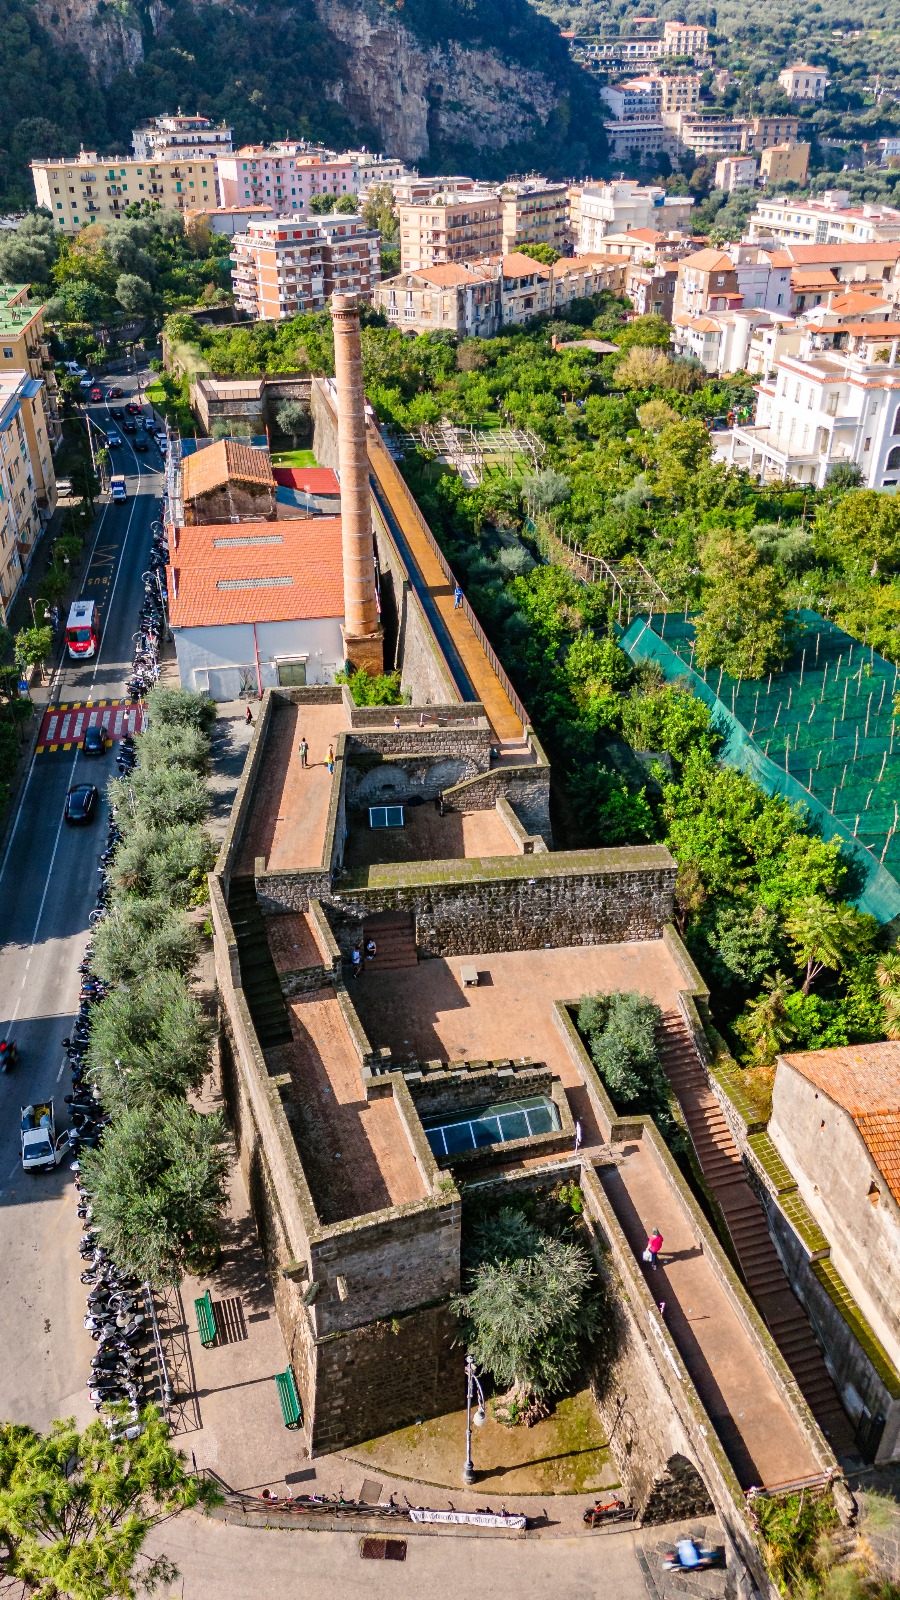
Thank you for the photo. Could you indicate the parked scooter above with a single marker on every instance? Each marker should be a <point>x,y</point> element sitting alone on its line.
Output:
<point>9,1054</point>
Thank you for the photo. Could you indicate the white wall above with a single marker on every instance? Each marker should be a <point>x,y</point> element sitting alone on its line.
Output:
<point>223,651</point>
<point>820,1144</point>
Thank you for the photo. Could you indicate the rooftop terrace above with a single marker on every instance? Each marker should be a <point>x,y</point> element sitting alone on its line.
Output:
<point>288,820</point>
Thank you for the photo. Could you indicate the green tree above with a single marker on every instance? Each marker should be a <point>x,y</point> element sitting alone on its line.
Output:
<point>828,934</point>
<point>347,205</point>
<point>544,253</point>
<point>621,1033</point>
<point>292,417</point>
<point>161,796</point>
<point>533,1304</point>
<point>32,647</point>
<point>134,294</point>
<point>379,212</point>
<point>168,864</point>
<point>180,706</point>
<point>158,1182</point>
<point>372,688</point>
<point>149,1042</point>
<point>321,205</point>
<point>142,934</point>
<point>863,529</point>
<point>742,624</point>
<point>172,744</point>
<point>644,367</point>
<point>76,1508</point>
<point>888,974</point>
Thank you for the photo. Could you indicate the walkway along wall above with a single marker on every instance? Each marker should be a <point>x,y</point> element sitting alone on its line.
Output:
<point>363,1304</point>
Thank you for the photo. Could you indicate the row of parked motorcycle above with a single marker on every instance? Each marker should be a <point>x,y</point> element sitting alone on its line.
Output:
<point>117,1312</point>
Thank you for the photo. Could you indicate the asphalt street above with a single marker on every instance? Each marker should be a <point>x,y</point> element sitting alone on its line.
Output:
<point>48,880</point>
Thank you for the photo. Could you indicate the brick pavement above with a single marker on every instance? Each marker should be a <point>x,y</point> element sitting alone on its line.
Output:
<point>290,811</point>
<point>428,836</point>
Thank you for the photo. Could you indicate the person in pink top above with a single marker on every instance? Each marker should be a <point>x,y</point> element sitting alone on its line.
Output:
<point>654,1245</point>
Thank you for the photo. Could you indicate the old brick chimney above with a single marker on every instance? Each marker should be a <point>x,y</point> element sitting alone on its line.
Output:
<point>363,643</point>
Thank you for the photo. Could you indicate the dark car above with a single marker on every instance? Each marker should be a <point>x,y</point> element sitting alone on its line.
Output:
<point>141,445</point>
<point>133,407</point>
<point>114,392</point>
<point>81,803</point>
<point>118,413</point>
<point>130,425</point>
<point>94,742</point>
<point>113,439</point>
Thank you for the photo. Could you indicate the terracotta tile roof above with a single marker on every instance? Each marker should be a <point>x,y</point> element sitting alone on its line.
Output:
<point>810,255</point>
<point>709,261</point>
<point>646,235</point>
<point>517,265</point>
<point>873,330</point>
<point>212,467</point>
<point>234,572</point>
<point>446,275</point>
<point>315,480</point>
<point>812,278</point>
<point>858,301</point>
<point>864,1080</point>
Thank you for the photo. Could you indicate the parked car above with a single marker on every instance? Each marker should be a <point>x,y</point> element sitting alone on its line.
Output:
<point>75,370</point>
<point>94,742</point>
<point>81,803</point>
<point>113,439</point>
<point>149,425</point>
<point>87,382</point>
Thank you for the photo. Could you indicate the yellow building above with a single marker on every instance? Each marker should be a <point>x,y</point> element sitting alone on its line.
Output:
<point>27,478</point>
<point>84,188</point>
<point>679,92</point>
<point>534,211</point>
<point>784,163</point>
<point>23,346</point>
<point>449,227</point>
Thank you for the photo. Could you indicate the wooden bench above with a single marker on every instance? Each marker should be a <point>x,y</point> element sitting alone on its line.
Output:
<point>206,1322</point>
<point>291,1409</point>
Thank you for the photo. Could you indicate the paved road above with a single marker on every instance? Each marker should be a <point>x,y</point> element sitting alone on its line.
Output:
<point>47,888</point>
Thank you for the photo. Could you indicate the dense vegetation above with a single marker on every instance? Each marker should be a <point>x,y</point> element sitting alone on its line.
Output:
<point>266,71</point>
<point>628,473</point>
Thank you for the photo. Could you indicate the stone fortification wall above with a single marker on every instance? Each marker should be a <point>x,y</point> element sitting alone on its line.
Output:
<point>470,714</point>
<point>460,741</point>
<point>525,788</point>
<point>516,902</point>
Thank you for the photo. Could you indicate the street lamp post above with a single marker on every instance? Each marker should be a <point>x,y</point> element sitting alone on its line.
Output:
<point>473,1387</point>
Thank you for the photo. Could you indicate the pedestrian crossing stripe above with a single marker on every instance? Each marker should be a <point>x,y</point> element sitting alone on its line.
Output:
<point>63,726</point>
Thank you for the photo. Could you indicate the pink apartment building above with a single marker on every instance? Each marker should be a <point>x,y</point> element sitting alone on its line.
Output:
<point>283,176</point>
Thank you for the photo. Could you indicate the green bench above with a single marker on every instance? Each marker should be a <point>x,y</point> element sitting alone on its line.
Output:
<point>291,1409</point>
<point>206,1322</point>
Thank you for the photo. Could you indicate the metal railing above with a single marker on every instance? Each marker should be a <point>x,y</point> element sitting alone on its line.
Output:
<point>165,1388</point>
<point>475,625</point>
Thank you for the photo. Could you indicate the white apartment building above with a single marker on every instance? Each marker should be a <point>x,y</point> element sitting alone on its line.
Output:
<point>296,264</point>
<point>623,206</point>
<point>734,173</point>
<point>637,138</point>
<point>82,189</point>
<point>638,97</point>
<point>828,219</point>
<point>684,39</point>
<point>803,82</point>
<point>180,138</point>
<point>27,478</point>
<point>823,407</point>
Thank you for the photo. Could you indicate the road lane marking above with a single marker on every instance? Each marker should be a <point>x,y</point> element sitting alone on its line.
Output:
<point>62,1068</point>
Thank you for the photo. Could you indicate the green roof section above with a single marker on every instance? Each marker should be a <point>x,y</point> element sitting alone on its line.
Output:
<point>483,869</point>
<point>13,317</point>
<point>820,733</point>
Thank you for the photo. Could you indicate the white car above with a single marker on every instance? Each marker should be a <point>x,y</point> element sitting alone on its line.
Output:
<point>76,371</point>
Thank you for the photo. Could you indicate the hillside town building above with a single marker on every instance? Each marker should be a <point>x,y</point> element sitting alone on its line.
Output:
<point>803,82</point>
<point>297,263</point>
<point>27,477</point>
<point>82,189</point>
<point>180,138</point>
<point>828,219</point>
<point>449,227</point>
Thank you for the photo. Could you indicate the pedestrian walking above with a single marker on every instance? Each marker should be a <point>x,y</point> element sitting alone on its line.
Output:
<point>654,1245</point>
<point>578,1135</point>
<point>356,959</point>
<point>457,598</point>
<point>249,717</point>
<point>329,759</point>
<point>303,747</point>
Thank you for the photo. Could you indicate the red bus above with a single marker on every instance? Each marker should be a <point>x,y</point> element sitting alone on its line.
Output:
<point>83,630</point>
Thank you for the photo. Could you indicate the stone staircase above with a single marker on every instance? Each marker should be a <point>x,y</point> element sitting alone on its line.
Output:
<point>259,977</point>
<point>745,1219</point>
<point>395,941</point>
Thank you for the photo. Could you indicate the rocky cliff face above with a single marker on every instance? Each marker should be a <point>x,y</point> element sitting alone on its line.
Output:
<point>420,98</point>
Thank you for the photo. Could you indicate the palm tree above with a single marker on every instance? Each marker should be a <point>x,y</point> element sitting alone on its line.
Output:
<point>827,933</point>
<point>765,1024</point>
<point>888,975</point>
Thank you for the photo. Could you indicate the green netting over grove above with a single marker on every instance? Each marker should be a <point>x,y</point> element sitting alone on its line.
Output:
<point>822,732</point>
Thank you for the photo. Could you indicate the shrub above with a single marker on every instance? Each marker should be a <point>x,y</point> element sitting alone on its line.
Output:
<point>167,863</point>
<point>160,796</point>
<point>181,706</point>
<point>372,688</point>
<point>172,744</point>
<point>621,1033</point>
<point>149,1041</point>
